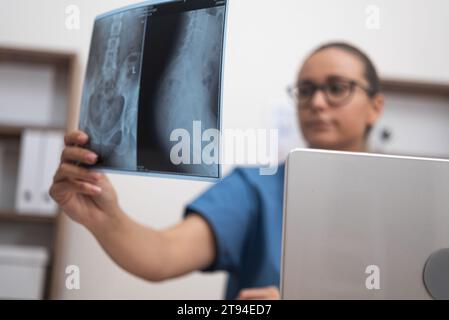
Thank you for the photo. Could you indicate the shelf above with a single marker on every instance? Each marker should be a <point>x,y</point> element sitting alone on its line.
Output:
<point>31,55</point>
<point>15,131</point>
<point>416,87</point>
<point>12,216</point>
<point>62,71</point>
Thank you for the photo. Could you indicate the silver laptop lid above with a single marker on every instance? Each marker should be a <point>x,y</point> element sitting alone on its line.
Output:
<point>363,226</point>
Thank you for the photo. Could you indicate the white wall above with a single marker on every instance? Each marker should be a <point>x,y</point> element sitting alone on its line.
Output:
<point>266,41</point>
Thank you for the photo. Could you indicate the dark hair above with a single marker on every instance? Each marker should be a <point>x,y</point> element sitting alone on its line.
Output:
<point>370,73</point>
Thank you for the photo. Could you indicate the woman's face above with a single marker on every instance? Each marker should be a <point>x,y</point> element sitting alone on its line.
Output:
<point>324,124</point>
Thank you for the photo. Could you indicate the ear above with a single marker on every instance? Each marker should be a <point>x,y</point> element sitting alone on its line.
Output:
<point>377,107</point>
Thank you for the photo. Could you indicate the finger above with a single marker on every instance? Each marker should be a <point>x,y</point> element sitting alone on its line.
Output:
<point>70,171</point>
<point>77,154</point>
<point>250,296</point>
<point>86,187</point>
<point>59,190</point>
<point>259,293</point>
<point>76,138</point>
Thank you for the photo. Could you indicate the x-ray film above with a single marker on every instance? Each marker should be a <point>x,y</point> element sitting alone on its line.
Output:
<point>153,88</point>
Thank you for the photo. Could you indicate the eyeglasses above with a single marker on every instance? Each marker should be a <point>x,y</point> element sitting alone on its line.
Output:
<point>337,91</point>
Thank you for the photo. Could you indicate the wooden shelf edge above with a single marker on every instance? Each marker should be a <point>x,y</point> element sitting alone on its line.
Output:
<point>13,130</point>
<point>12,216</point>
<point>37,55</point>
<point>415,87</point>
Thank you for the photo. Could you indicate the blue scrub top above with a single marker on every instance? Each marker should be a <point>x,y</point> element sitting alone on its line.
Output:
<point>244,210</point>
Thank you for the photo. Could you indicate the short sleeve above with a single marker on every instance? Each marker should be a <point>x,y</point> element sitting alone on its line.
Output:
<point>230,209</point>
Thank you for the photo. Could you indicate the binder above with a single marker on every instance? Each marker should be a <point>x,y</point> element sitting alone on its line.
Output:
<point>39,160</point>
<point>53,142</point>
<point>29,171</point>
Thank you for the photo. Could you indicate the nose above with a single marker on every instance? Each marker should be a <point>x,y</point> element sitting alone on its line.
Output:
<point>318,101</point>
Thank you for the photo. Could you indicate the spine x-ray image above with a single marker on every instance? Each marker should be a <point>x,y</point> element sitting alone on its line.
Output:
<point>154,69</point>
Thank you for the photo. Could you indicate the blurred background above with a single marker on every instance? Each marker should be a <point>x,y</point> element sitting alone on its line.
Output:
<point>44,46</point>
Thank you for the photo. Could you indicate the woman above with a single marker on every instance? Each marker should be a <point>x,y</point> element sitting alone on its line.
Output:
<point>236,225</point>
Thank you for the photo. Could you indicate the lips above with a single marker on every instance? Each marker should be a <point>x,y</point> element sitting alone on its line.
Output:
<point>319,125</point>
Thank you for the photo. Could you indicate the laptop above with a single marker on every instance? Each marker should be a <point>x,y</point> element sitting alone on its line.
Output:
<point>152,94</point>
<point>365,226</point>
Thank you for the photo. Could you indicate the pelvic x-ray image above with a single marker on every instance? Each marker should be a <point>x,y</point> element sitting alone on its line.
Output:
<point>154,70</point>
<point>111,91</point>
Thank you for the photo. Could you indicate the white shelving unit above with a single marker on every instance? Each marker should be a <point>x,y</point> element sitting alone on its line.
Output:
<point>36,97</point>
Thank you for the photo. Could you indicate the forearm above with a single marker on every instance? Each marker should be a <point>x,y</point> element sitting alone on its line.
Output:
<point>138,249</point>
<point>89,199</point>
